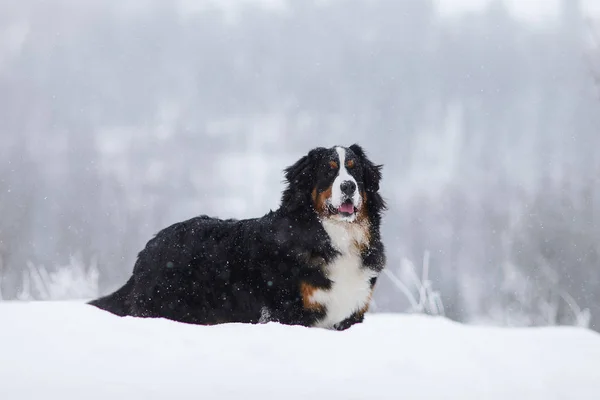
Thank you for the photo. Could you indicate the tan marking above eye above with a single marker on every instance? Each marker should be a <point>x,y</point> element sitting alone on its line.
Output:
<point>350,164</point>
<point>333,164</point>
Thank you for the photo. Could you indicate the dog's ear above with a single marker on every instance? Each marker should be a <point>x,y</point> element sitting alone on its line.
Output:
<point>372,172</point>
<point>302,172</point>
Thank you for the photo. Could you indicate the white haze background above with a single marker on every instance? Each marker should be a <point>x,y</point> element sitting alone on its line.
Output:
<point>119,118</point>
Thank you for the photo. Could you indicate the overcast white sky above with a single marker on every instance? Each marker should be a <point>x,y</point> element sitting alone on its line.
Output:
<point>537,11</point>
<point>534,10</point>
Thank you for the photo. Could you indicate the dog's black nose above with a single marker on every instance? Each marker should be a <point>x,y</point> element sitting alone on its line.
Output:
<point>348,188</point>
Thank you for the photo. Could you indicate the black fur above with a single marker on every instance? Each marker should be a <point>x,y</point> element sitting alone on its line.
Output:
<point>207,270</point>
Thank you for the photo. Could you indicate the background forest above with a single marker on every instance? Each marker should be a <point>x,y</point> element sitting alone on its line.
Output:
<point>119,118</point>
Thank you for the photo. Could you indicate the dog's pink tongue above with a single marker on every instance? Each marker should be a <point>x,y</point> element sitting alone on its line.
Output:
<point>347,208</point>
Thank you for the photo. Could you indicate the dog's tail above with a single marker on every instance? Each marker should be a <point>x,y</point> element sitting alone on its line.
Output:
<point>116,302</point>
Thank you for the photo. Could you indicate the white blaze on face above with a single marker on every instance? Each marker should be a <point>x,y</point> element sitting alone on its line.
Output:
<point>337,197</point>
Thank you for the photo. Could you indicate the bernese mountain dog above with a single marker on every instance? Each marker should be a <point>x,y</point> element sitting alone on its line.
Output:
<point>312,262</point>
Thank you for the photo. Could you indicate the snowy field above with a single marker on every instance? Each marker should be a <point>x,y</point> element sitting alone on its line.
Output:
<point>66,350</point>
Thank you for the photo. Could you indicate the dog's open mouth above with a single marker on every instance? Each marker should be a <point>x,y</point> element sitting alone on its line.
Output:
<point>347,209</point>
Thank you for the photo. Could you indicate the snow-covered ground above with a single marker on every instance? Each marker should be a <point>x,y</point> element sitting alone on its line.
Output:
<point>66,350</point>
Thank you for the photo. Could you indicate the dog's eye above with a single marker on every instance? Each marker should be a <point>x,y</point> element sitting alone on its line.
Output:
<point>333,164</point>
<point>350,164</point>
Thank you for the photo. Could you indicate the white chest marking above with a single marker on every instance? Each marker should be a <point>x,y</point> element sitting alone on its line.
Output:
<point>350,289</point>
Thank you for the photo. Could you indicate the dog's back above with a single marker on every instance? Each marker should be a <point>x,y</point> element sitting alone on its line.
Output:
<point>205,270</point>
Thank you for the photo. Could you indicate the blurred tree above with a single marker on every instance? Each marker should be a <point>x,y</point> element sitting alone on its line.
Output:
<point>118,119</point>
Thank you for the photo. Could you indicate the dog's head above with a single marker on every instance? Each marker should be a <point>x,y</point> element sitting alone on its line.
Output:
<point>340,182</point>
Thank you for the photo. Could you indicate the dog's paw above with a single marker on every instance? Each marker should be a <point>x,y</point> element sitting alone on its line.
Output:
<point>345,324</point>
<point>355,318</point>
